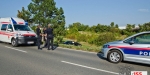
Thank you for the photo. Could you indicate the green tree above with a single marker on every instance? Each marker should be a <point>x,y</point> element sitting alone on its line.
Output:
<point>116,26</point>
<point>24,14</point>
<point>112,24</point>
<point>45,12</point>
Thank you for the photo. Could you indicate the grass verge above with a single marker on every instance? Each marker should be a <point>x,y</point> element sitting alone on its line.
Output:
<point>85,46</point>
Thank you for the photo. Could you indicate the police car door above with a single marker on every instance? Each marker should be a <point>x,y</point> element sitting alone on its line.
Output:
<point>139,48</point>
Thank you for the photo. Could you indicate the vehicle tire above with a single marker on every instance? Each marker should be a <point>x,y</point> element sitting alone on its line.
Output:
<point>14,43</point>
<point>115,56</point>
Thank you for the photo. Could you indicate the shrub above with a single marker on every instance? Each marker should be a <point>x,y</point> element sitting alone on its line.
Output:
<point>59,39</point>
<point>33,28</point>
<point>92,39</point>
<point>71,36</point>
<point>104,38</point>
<point>81,37</point>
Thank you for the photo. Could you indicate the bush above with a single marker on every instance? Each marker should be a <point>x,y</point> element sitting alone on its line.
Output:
<point>81,37</point>
<point>33,28</point>
<point>59,39</point>
<point>92,39</point>
<point>71,36</point>
<point>104,38</point>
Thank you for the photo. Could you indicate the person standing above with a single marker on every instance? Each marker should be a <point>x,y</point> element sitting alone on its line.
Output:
<point>50,36</point>
<point>44,37</point>
<point>39,37</point>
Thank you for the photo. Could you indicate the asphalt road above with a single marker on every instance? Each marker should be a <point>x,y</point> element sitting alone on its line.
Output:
<point>27,60</point>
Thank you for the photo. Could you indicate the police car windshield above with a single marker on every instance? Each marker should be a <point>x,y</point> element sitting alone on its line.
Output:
<point>21,28</point>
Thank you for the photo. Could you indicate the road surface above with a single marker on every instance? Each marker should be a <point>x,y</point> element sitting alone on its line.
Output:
<point>27,60</point>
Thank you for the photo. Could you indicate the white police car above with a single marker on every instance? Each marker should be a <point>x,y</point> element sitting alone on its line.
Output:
<point>135,48</point>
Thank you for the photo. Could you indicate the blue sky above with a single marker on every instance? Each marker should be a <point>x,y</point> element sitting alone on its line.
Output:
<point>91,12</point>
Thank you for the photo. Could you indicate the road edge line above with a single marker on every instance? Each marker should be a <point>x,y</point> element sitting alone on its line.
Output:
<point>90,67</point>
<point>16,49</point>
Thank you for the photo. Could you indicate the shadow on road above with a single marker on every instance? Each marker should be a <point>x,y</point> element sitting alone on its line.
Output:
<point>54,45</point>
<point>99,54</point>
<point>27,45</point>
<point>134,63</point>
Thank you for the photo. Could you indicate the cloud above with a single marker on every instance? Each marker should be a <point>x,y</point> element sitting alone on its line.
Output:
<point>143,10</point>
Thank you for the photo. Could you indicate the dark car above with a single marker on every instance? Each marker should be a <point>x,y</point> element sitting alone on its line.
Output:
<point>72,43</point>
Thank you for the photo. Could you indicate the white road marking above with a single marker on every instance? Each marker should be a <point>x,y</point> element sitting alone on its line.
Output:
<point>16,49</point>
<point>90,67</point>
<point>79,50</point>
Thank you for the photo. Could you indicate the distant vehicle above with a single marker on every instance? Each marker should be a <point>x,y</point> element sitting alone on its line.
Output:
<point>135,48</point>
<point>72,43</point>
<point>16,31</point>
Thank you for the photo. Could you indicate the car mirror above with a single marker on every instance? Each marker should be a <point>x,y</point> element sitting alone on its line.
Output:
<point>9,30</point>
<point>131,42</point>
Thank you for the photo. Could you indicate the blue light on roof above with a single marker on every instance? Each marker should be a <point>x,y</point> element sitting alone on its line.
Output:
<point>13,21</point>
<point>26,23</point>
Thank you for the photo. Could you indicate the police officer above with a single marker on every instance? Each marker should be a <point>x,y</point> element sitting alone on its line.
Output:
<point>44,37</point>
<point>49,32</point>
<point>39,37</point>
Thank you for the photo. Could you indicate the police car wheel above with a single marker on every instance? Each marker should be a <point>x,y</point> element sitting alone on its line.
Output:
<point>115,56</point>
<point>14,43</point>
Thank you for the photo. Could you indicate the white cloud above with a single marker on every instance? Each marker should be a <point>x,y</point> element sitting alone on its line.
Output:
<point>143,10</point>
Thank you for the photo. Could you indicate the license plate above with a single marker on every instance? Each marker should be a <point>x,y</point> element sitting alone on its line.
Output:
<point>30,42</point>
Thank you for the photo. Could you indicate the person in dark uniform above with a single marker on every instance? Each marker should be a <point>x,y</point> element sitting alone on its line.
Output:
<point>39,37</point>
<point>44,37</point>
<point>49,32</point>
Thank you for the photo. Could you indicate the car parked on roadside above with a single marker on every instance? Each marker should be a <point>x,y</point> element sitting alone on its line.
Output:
<point>135,48</point>
<point>72,43</point>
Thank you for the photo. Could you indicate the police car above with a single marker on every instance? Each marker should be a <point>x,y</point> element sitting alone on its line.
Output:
<point>16,31</point>
<point>135,48</point>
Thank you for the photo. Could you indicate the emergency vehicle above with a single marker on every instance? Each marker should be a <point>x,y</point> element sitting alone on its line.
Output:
<point>135,48</point>
<point>16,31</point>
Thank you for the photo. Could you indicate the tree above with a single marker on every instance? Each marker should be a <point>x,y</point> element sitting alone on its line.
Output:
<point>116,26</point>
<point>45,12</point>
<point>112,24</point>
<point>24,14</point>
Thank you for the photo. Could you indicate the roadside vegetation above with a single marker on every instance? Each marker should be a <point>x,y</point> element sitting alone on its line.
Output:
<point>92,37</point>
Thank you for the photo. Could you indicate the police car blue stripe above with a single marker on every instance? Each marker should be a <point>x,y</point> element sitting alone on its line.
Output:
<point>136,52</point>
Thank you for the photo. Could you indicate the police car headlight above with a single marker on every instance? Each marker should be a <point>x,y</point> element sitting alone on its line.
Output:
<point>105,46</point>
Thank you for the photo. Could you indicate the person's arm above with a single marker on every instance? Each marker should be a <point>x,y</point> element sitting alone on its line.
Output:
<point>53,32</point>
<point>40,32</point>
<point>46,32</point>
<point>37,31</point>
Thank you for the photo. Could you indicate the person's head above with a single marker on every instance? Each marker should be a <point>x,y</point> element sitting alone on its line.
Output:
<point>38,26</point>
<point>49,25</point>
<point>44,28</point>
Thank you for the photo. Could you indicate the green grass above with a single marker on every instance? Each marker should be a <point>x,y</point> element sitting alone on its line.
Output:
<point>85,46</point>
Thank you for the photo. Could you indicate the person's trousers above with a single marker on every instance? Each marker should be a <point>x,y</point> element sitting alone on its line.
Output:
<point>50,42</point>
<point>39,42</point>
<point>45,44</point>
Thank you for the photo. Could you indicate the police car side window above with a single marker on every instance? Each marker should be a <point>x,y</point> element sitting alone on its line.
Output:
<point>128,40</point>
<point>142,39</point>
<point>4,26</point>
